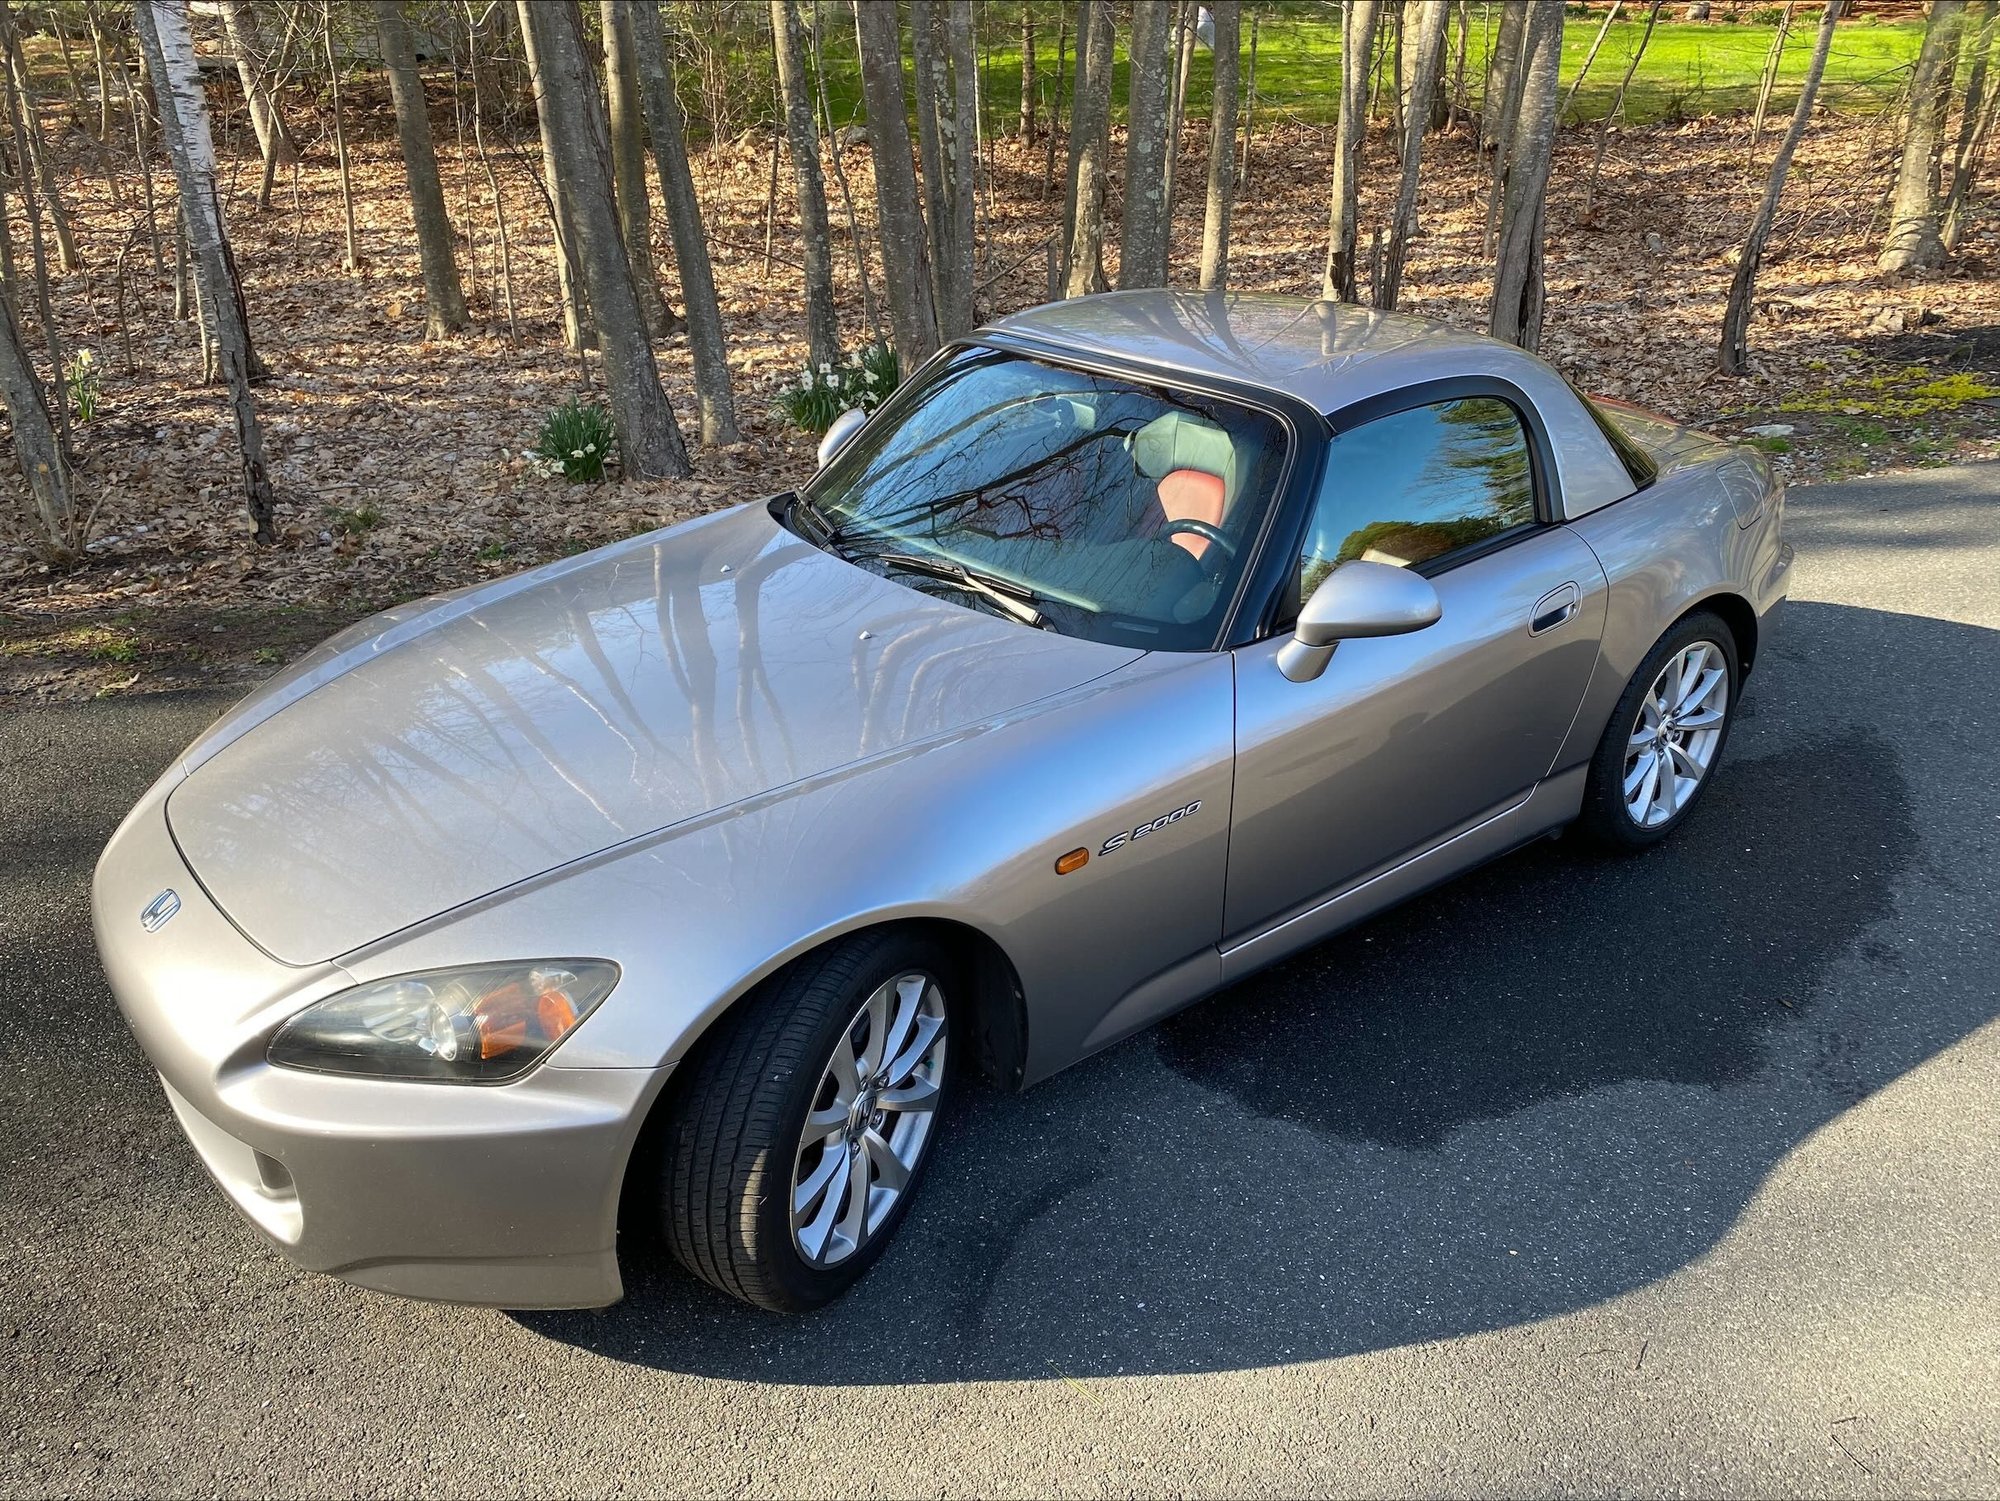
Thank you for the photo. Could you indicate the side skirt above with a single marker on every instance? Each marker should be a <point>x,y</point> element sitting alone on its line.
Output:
<point>1552,804</point>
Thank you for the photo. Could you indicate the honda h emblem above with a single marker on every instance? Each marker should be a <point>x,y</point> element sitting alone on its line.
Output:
<point>160,911</point>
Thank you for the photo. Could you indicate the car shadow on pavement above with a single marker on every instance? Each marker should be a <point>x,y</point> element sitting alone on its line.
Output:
<point>1551,1082</point>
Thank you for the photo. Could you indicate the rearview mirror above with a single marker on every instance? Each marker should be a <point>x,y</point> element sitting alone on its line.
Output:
<point>1357,599</point>
<point>842,428</point>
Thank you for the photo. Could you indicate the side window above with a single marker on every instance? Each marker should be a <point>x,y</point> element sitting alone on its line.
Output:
<point>1415,485</point>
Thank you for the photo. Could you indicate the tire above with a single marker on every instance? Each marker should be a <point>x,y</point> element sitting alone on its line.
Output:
<point>735,1147</point>
<point>1612,800</point>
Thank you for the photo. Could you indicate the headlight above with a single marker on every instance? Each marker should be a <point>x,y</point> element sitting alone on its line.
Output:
<point>476,1025</point>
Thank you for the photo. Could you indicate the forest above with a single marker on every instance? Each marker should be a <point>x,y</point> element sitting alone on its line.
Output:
<point>315,306</point>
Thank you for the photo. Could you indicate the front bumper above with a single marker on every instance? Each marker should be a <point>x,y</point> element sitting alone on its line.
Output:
<point>505,1195</point>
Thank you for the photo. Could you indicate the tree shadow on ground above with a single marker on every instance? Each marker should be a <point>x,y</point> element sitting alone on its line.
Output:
<point>1551,1082</point>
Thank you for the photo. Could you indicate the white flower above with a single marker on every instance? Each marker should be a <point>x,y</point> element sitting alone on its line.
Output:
<point>576,453</point>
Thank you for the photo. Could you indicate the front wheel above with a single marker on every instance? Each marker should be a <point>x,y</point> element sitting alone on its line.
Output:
<point>1665,736</point>
<point>794,1148</point>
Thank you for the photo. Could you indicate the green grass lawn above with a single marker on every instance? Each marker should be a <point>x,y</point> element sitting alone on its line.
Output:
<point>1690,68</point>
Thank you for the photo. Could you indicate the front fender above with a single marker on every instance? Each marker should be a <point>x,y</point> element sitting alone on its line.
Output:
<point>966,830</point>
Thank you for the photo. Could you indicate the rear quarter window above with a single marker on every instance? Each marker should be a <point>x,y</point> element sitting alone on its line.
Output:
<point>1418,485</point>
<point>1631,453</point>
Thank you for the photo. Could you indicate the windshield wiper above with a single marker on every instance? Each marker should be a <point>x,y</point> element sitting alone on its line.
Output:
<point>1016,601</point>
<point>825,525</point>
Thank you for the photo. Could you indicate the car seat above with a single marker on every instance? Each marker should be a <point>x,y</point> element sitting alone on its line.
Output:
<point>1193,465</point>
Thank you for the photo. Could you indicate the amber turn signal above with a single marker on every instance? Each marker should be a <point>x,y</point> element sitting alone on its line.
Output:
<point>1074,860</point>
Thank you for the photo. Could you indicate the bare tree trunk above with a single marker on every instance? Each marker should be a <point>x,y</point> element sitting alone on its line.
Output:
<point>1502,72</point>
<point>1512,67</point>
<point>1517,272</point>
<point>871,313</point>
<point>1764,84</point>
<point>492,179</point>
<point>181,289</point>
<point>170,58</point>
<point>1221,146</point>
<point>1177,110</point>
<point>444,299</point>
<point>11,180</point>
<point>246,40</point>
<point>822,317</point>
<point>1055,124</point>
<point>1028,75</point>
<point>957,312</point>
<point>1735,354</point>
<point>339,139</point>
<point>1599,43</point>
<point>898,214</point>
<point>136,108</point>
<point>1387,75</point>
<point>1436,103</point>
<point>628,164</point>
<point>100,61</point>
<point>9,275</point>
<point>1249,106</point>
<point>35,440</point>
<point>16,111</point>
<point>1914,240</point>
<point>1457,106</point>
<point>34,156</point>
<point>578,333</point>
<point>1076,90</point>
<point>55,25</point>
<point>649,440</point>
<point>1148,218</point>
<point>1617,107</point>
<point>1090,148</point>
<point>707,344</point>
<point>1973,125</point>
<point>43,448</point>
<point>1426,69</point>
<point>947,141</point>
<point>1357,48</point>
<point>934,114</point>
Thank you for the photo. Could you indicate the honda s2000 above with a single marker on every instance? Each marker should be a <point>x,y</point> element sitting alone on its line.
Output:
<point>1137,642</point>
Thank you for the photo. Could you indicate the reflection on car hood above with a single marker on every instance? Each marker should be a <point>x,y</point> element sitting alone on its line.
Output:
<point>520,727</point>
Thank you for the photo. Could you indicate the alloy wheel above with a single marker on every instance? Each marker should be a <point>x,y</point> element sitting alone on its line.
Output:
<point>1678,731</point>
<point>870,1119</point>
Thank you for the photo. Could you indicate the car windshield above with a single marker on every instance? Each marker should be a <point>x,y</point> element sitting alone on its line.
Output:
<point>1094,505</point>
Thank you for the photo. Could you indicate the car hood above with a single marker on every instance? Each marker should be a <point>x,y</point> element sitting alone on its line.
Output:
<point>446,751</point>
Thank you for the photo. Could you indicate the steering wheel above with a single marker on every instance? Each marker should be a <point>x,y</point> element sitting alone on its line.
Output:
<point>1214,535</point>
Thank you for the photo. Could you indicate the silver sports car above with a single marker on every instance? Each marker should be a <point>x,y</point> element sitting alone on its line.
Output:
<point>1138,642</point>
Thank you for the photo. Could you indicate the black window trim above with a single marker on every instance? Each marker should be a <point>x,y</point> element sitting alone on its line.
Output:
<point>1280,607</point>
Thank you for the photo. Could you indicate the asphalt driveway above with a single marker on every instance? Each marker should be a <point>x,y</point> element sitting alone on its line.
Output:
<point>1674,1174</point>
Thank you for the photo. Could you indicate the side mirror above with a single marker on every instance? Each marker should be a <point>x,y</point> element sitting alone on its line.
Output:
<point>1357,599</point>
<point>843,428</point>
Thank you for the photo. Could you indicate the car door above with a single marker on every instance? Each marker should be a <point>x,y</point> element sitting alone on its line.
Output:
<point>1405,739</point>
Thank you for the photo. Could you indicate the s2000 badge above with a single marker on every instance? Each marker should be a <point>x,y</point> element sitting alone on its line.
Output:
<point>1130,836</point>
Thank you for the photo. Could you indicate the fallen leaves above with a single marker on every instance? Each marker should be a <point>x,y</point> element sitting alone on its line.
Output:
<point>363,417</point>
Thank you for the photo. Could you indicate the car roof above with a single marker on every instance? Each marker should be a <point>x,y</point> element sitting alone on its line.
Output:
<point>1326,354</point>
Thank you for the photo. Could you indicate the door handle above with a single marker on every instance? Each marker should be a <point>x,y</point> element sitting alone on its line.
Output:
<point>1553,608</point>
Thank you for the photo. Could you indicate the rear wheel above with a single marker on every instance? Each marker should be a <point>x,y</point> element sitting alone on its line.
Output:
<point>1665,736</point>
<point>793,1150</point>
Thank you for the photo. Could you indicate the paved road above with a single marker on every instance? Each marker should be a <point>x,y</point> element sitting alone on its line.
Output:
<point>1678,1174</point>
